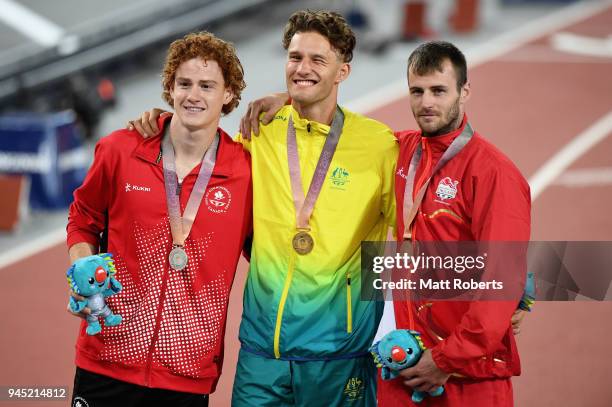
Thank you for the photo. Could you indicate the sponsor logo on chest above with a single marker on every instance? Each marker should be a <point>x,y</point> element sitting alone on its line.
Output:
<point>131,188</point>
<point>402,173</point>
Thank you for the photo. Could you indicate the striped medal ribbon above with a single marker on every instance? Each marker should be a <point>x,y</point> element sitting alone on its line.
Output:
<point>180,226</point>
<point>411,207</point>
<point>303,242</point>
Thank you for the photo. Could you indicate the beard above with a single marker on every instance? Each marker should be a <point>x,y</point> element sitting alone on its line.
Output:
<point>452,122</point>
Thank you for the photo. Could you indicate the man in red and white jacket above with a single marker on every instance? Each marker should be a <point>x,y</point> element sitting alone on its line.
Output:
<point>169,347</point>
<point>479,195</point>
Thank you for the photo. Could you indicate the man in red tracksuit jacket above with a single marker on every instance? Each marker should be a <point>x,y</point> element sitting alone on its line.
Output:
<point>168,350</point>
<point>471,347</point>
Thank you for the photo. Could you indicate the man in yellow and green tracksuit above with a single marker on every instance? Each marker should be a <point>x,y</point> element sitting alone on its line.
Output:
<point>304,324</point>
<point>305,330</point>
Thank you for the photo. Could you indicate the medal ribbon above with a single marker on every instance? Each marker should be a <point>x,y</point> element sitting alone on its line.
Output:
<point>410,207</point>
<point>305,205</point>
<point>180,226</point>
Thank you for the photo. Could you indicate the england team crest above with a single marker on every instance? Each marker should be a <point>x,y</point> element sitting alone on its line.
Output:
<point>447,189</point>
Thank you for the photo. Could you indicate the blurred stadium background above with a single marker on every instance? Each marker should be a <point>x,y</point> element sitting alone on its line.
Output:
<point>72,71</point>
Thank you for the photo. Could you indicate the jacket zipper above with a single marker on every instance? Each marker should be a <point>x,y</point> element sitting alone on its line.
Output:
<point>349,307</point>
<point>162,298</point>
<point>426,168</point>
<point>421,180</point>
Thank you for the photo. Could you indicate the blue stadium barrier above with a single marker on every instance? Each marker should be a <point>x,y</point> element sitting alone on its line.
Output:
<point>48,148</point>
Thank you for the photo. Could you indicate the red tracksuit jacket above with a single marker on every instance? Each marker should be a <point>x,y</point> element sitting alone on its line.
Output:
<point>171,336</point>
<point>492,203</point>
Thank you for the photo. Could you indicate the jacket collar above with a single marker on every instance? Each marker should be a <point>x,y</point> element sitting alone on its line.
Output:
<point>315,127</point>
<point>150,150</point>
<point>440,143</point>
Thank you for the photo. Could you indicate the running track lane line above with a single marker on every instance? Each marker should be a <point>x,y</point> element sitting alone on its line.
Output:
<point>578,146</point>
<point>374,100</point>
<point>33,247</point>
<point>585,177</point>
<point>499,45</point>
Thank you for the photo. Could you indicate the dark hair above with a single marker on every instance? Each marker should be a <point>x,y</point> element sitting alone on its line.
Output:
<point>431,55</point>
<point>208,47</point>
<point>329,24</point>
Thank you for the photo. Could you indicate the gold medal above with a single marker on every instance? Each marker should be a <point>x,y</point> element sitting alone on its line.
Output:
<point>302,243</point>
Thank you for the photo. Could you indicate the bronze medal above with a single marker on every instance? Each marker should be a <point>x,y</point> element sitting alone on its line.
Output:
<point>302,243</point>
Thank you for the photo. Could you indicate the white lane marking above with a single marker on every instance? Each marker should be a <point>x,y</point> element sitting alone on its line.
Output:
<point>582,45</point>
<point>535,29</point>
<point>585,177</point>
<point>494,48</point>
<point>32,25</point>
<point>545,54</point>
<point>579,145</point>
<point>34,246</point>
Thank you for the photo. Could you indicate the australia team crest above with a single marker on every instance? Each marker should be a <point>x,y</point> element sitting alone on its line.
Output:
<point>447,189</point>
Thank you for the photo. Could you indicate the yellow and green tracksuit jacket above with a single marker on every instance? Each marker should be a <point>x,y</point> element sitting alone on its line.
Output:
<point>309,307</point>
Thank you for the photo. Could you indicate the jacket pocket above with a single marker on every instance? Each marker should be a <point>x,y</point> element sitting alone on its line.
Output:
<point>349,305</point>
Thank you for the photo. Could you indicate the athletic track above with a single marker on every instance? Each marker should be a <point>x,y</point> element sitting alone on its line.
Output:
<point>549,110</point>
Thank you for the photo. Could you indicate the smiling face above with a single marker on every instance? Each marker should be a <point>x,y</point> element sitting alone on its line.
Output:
<point>199,93</point>
<point>91,276</point>
<point>399,350</point>
<point>436,103</point>
<point>313,70</point>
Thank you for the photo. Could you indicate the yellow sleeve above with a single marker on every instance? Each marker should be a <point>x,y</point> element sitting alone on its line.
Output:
<point>389,162</point>
<point>246,144</point>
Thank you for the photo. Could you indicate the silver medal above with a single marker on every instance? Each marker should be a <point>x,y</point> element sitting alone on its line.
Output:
<point>177,258</point>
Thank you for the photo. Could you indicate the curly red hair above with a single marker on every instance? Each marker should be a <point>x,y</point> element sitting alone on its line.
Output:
<point>208,47</point>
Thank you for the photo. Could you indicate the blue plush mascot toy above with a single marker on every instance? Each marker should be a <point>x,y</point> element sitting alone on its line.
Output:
<point>529,294</point>
<point>398,350</point>
<point>93,277</point>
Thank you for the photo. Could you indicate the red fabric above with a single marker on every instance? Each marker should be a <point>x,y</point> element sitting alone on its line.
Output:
<point>171,336</point>
<point>492,203</point>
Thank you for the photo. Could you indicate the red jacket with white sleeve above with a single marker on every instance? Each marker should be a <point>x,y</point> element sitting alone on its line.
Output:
<point>171,336</point>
